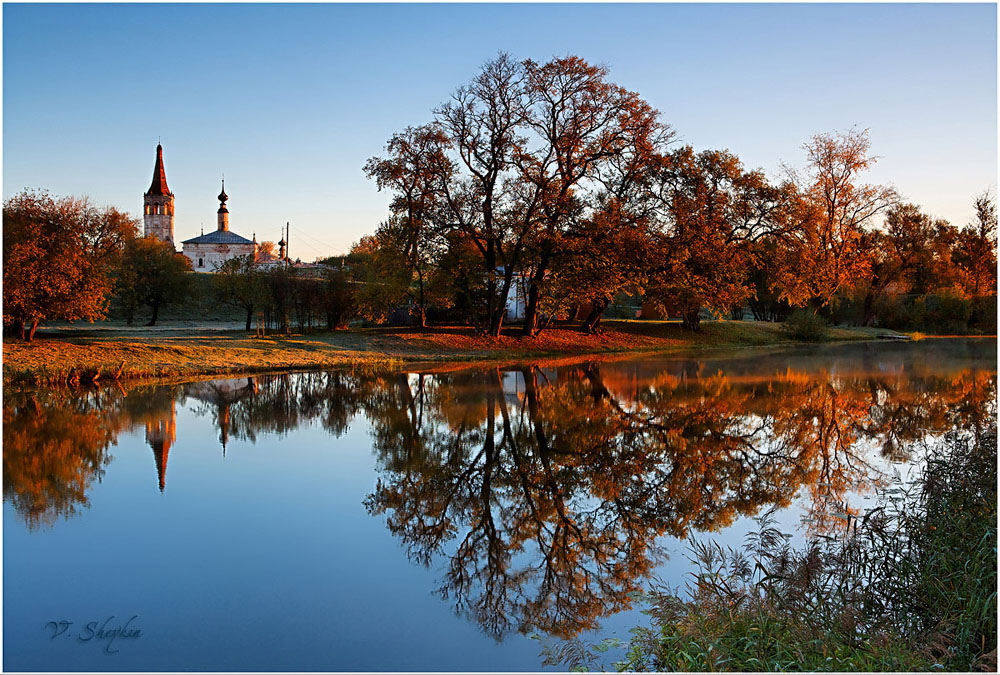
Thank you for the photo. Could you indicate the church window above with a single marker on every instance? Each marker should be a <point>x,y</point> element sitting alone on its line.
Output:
<point>201,262</point>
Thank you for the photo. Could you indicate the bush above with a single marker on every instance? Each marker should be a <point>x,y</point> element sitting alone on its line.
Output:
<point>917,313</point>
<point>805,325</point>
<point>984,315</point>
<point>845,310</point>
<point>892,311</point>
<point>948,311</point>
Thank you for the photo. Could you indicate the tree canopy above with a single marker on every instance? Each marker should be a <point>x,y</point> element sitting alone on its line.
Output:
<point>563,190</point>
<point>58,257</point>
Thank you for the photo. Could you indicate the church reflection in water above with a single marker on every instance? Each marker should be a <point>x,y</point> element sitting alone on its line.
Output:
<point>543,493</point>
<point>161,434</point>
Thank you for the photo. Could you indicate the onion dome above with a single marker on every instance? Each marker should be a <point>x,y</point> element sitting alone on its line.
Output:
<point>222,198</point>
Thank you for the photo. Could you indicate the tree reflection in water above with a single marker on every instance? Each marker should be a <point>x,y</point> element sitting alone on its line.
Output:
<point>543,491</point>
<point>548,492</point>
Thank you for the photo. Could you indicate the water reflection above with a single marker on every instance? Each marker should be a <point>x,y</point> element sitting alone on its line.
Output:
<point>546,491</point>
<point>543,493</point>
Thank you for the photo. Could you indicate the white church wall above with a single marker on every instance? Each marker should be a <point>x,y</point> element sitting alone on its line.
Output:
<point>207,257</point>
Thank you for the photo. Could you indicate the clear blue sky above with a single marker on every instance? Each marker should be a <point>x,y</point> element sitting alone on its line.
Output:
<point>290,100</point>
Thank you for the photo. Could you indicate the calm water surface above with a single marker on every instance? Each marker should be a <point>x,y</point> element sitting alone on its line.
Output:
<point>431,520</point>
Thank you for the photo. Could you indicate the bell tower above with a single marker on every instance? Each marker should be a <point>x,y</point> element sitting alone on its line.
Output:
<point>223,211</point>
<point>158,204</point>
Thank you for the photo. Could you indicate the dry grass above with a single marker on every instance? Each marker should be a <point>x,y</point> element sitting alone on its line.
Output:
<point>102,353</point>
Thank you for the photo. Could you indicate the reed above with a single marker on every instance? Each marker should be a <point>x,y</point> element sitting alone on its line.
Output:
<point>911,585</point>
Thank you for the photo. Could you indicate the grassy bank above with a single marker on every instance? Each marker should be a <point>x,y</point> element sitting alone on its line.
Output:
<point>912,585</point>
<point>75,354</point>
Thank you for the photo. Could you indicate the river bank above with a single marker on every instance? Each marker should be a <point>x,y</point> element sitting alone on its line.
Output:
<point>108,352</point>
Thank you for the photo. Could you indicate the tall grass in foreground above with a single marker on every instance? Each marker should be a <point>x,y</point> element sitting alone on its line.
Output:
<point>910,586</point>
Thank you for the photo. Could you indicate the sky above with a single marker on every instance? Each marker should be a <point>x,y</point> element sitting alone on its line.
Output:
<point>288,101</point>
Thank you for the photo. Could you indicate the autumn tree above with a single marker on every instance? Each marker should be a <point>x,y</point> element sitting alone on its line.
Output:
<point>607,257</point>
<point>57,259</point>
<point>381,270</point>
<point>709,213</point>
<point>976,248</point>
<point>280,282</point>
<point>151,274</point>
<point>267,249</point>
<point>239,282</point>
<point>831,254</point>
<point>397,268</point>
<point>459,286</point>
<point>911,252</point>
<point>591,140</point>
<point>412,170</point>
<point>339,301</point>
<point>481,195</point>
<point>517,162</point>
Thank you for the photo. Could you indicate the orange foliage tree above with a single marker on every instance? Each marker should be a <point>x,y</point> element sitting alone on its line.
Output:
<point>711,211</point>
<point>976,249</point>
<point>57,259</point>
<point>830,255</point>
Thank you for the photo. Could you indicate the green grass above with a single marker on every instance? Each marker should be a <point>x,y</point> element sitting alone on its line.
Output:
<point>763,641</point>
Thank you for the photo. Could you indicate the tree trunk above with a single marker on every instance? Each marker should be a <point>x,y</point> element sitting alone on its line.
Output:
<point>499,303</point>
<point>531,310</point>
<point>31,331</point>
<point>496,324</point>
<point>491,289</point>
<point>868,314</point>
<point>546,322</point>
<point>691,320</point>
<point>593,319</point>
<point>422,316</point>
<point>156,313</point>
<point>249,317</point>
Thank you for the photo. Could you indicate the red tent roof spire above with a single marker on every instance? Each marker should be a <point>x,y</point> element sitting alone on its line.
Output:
<point>159,184</point>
